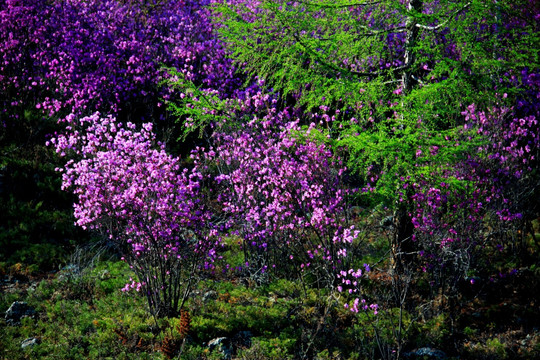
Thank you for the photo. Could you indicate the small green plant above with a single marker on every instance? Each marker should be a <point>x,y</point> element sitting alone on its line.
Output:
<point>469,332</point>
<point>495,348</point>
<point>434,331</point>
<point>269,348</point>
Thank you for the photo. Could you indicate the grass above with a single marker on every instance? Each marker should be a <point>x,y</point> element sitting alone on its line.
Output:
<point>83,315</point>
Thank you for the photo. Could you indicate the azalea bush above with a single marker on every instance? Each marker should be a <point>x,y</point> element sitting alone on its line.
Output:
<point>480,202</point>
<point>281,191</point>
<point>77,57</point>
<point>139,198</point>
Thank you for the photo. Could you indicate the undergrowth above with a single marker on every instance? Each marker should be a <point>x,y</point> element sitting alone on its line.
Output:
<point>82,314</point>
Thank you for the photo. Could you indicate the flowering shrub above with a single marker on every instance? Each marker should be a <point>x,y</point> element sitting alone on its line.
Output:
<point>281,191</point>
<point>131,191</point>
<point>66,59</point>
<point>480,201</point>
<point>73,56</point>
<point>350,283</point>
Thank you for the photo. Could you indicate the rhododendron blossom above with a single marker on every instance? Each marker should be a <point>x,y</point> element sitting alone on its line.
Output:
<point>281,191</point>
<point>134,193</point>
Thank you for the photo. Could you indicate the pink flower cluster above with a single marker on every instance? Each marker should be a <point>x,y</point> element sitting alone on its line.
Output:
<point>135,194</point>
<point>281,190</point>
<point>351,284</point>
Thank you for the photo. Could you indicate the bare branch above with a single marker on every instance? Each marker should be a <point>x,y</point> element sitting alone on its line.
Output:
<point>378,32</point>
<point>427,27</point>
<point>337,6</point>
<point>392,82</point>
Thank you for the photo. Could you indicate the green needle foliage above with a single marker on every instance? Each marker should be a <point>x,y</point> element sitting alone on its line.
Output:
<point>352,53</point>
<point>396,74</point>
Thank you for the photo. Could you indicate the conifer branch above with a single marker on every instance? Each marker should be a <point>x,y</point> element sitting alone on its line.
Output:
<point>329,64</point>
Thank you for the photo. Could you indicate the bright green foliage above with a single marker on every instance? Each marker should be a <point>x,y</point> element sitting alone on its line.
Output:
<point>395,74</point>
<point>356,53</point>
<point>210,108</point>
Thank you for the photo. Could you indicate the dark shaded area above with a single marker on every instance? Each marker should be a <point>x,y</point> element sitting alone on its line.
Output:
<point>36,222</point>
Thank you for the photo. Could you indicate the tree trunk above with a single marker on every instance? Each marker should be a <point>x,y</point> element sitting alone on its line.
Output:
<point>410,42</point>
<point>403,247</point>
